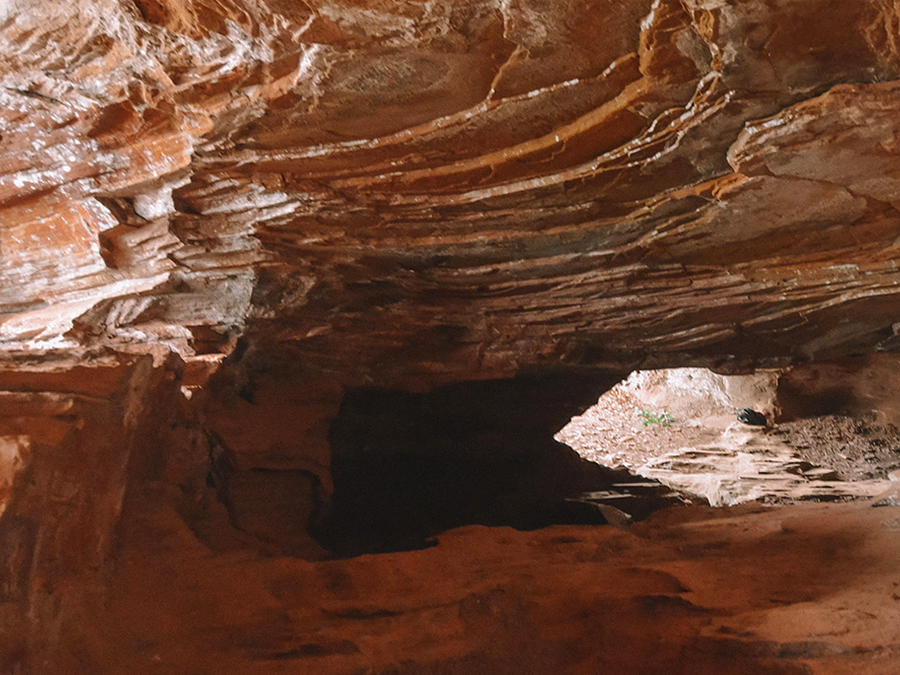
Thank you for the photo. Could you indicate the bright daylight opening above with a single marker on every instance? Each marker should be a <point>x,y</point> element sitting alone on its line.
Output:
<point>696,431</point>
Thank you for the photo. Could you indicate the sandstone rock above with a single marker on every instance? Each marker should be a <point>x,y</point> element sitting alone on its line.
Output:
<point>309,203</point>
<point>483,185</point>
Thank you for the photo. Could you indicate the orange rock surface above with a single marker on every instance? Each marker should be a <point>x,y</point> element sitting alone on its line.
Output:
<point>436,194</point>
<point>811,589</point>
<point>235,233</point>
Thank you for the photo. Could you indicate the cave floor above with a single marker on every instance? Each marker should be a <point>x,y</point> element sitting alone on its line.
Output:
<point>807,588</point>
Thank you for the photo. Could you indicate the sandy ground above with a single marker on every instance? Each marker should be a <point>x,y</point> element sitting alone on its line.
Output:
<point>857,448</point>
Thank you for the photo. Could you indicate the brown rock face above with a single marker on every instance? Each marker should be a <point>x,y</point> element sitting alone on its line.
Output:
<point>417,234</point>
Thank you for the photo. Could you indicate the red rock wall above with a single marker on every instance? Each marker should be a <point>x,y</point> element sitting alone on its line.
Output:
<point>864,385</point>
<point>87,433</point>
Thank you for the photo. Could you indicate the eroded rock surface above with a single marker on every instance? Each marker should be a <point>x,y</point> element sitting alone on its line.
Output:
<point>442,193</point>
<point>812,589</point>
<point>391,196</point>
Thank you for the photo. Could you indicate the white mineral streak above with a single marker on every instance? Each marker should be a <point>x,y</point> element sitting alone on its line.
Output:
<point>155,203</point>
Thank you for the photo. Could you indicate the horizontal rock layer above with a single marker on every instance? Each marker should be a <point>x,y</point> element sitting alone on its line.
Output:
<point>406,195</point>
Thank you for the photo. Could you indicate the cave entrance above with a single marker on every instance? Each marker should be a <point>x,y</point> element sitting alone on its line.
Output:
<point>407,466</point>
<point>824,440</point>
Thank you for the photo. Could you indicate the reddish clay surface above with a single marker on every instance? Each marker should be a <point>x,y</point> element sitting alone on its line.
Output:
<point>791,590</point>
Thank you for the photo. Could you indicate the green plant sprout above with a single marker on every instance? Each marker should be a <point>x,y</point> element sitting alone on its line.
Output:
<point>662,418</point>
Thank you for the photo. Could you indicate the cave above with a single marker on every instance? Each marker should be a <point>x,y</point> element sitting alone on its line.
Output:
<point>408,466</point>
<point>417,338</point>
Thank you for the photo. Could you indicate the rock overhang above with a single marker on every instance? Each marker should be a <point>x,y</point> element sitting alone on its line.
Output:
<point>411,195</point>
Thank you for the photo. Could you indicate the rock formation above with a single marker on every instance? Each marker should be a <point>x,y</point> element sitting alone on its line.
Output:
<point>230,230</point>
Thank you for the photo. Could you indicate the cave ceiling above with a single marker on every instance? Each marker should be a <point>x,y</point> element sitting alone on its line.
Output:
<point>412,193</point>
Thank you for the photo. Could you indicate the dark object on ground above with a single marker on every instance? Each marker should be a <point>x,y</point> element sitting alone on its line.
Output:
<point>749,416</point>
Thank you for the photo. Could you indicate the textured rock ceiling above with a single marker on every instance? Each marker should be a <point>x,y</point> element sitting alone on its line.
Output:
<point>408,193</point>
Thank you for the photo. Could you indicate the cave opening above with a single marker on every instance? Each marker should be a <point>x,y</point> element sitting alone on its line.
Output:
<point>819,432</point>
<point>408,466</point>
<point>539,449</point>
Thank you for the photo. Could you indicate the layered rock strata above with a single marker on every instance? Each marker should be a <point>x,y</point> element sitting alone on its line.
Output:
<point>389,199</point>
<point>440,194</point>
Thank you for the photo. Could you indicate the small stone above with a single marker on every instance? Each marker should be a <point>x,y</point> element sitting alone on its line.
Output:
<point>750,416</point>
<point>889,499</point>
<point>820,473</point>
<point>891,496</point>
<point>615,517</point>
